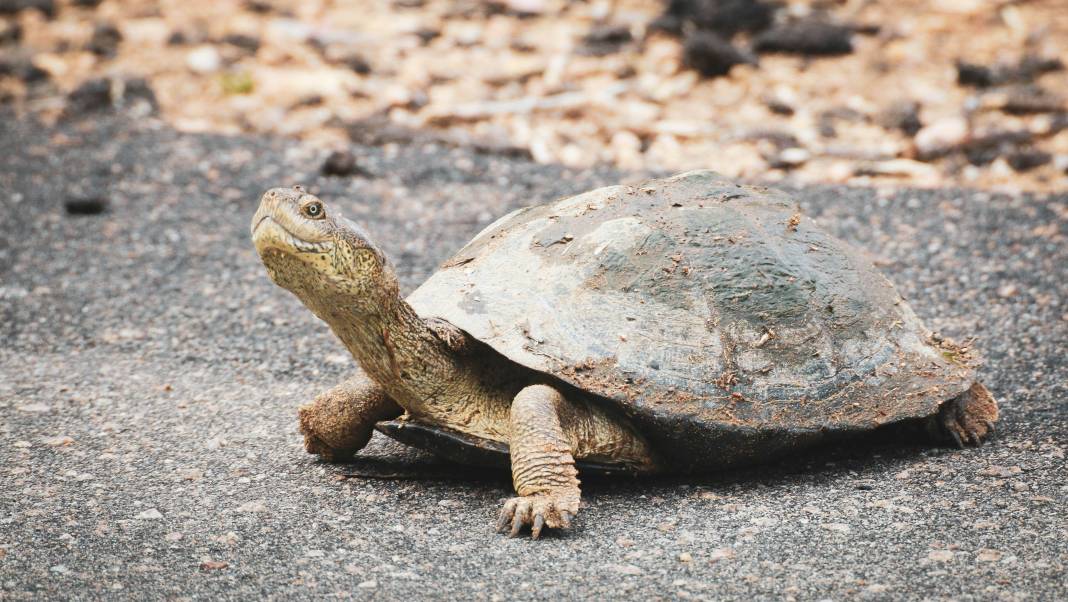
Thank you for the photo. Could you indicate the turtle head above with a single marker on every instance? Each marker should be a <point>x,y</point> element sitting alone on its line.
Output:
<point>318,255</point>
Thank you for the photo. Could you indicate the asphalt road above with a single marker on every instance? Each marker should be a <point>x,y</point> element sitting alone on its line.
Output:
<point>150,372</point>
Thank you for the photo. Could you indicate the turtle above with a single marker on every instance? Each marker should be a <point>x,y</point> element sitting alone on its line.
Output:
<point>681,325</point>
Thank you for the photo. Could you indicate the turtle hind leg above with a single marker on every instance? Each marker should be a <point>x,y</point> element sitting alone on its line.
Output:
<point>968,419</point>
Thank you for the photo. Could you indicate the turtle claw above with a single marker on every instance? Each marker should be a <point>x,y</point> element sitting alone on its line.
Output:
<point>991,430</point>
<point>535,530</point>
<point>537,511</point>
<point>968,419</point>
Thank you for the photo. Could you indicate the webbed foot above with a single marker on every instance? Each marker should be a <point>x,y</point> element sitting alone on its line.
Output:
<point>552,510</point>
<point>969,418</point>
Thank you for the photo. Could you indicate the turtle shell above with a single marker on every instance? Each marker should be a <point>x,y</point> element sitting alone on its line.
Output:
<point>727,326</point>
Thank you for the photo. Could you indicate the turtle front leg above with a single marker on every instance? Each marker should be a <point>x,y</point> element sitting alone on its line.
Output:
<point>543,468</point>
<point>339,422</point>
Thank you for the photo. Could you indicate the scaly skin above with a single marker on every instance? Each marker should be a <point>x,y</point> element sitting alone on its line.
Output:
<point>433,372</point>
<point>428,368</point>
<point>339,422</point>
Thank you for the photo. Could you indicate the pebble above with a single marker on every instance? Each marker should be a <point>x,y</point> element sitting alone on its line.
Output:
<point>253,506</point>
<point>810,37</point>
<point>11,7</point>
<point>940,555</point>
<point>711,55</point>
<point>685,557</point>
<point>721,554</point>
<point>904,116</point>
<point>606,39</point>
<point>250,44</point>
<point>791,157</point>
<point>92,95</point>
<point>837,527</point>
<point>372,584</point>
<point>1005,291</point>
<point>22,68</point>
<point>10,32</point>
<point>34,408</point>
<point>150,514</point>
<point>204,59</point>
<point>1028,159</point>
<point>725,17</point>
<point>105,40</point>
<point>90,205</point>
<point>941,137</point>
<point>350,57</point>
<point>342,163</point>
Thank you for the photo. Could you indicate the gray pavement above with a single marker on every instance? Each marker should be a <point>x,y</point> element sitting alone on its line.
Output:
<point>149,376</point>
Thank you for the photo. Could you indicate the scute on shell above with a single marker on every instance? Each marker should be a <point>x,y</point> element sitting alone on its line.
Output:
<point>705,310</point>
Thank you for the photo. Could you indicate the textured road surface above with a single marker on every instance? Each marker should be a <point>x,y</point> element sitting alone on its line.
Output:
<point>149,376</point>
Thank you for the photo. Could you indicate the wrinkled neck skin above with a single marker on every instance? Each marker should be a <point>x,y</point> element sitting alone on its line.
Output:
<point>390,341</point>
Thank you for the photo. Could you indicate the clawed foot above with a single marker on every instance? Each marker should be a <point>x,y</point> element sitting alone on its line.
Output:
<point>969,418</point>
<point>538,511</point>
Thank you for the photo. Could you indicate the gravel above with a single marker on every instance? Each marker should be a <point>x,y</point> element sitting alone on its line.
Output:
<point>151,372</point>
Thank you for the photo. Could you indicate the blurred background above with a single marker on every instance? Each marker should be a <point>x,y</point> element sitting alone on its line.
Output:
<point>885,92</point>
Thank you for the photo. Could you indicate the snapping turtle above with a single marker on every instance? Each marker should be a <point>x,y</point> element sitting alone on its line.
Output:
<point>686,324</point>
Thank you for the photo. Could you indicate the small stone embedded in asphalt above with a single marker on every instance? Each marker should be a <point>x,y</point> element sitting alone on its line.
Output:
<point>711,55</point>
<point>150,514</point>
<point>103,93</point>
<point>720,554</point>
<point>342,163</point>
<point>92,95</point>
<point>34,408</point>
<point>988,555</point>
<point>940,555</point>
<point>255,506</point>
<point>809,36</point>
<point>87,205</point>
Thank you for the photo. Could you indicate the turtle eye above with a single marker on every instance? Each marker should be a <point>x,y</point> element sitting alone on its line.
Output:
<point>314,210</point>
